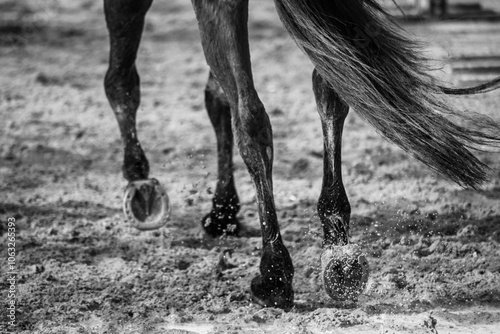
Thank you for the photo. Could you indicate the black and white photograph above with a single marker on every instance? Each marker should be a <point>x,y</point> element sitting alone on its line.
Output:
<point>250,166</point>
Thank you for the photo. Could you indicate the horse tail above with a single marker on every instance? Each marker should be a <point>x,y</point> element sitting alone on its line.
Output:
<point>484,88</point>
<point>384,76</point>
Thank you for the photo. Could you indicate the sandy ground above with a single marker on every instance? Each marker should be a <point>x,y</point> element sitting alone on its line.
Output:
<point>432,246</point>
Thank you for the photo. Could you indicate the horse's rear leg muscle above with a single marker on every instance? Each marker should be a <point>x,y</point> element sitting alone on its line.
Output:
<point>125,22</point>
<point>223,29</point>
<point>225,204</point>
<point>344,268</point>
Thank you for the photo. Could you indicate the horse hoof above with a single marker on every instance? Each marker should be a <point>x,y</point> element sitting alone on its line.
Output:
<point>216,226</point>
<point>146,204</point>
<point>269,292</point>
<point>345,272</point>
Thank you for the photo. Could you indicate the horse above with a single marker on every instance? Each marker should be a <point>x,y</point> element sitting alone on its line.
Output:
<point>363,60</point>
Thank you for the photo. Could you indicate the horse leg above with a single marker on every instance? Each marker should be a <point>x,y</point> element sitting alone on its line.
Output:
<point>145,202</point>
<point>225,204</point>
<point>344,267</point>
<point>224,35</point>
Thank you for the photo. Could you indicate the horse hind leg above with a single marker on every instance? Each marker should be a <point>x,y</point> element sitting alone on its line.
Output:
<point>145,201</point>
<point>225,204</point>
<point>224,38</point>
<point>344,267</point>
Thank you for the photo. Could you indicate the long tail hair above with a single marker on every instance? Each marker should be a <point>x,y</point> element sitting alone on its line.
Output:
<point>383,75</point>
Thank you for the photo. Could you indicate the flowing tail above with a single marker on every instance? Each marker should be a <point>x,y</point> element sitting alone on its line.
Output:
<point>383,75</point>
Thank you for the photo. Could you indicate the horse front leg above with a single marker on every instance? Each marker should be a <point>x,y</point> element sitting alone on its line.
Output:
<point>344,267</point>
<point>225,204</point>
<point>145,201</point>
<point>223,30</point>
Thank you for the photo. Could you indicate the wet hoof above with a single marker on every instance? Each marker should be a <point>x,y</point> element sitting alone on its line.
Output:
<point>216,225</point>
<point>345,272</point>
<point>272,292</point>
<point>146,204</point>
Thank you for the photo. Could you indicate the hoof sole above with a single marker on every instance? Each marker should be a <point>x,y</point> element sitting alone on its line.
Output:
<point>345,272</point>
<point>146,204</point>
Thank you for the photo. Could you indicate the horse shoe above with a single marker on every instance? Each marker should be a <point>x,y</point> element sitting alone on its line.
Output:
<point>345,272</point>
<point>146,204</point>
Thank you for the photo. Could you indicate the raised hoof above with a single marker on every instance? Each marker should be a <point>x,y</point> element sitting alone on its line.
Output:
<point>269,292</point>
<point>216,226</point>
<point>146,204</point>
<point>345,272</point>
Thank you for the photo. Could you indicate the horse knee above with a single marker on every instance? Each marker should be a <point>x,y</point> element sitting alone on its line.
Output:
<point>254,126</point>
<point>330,106</point>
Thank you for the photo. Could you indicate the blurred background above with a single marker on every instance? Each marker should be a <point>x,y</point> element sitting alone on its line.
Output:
<point>450,9</point>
